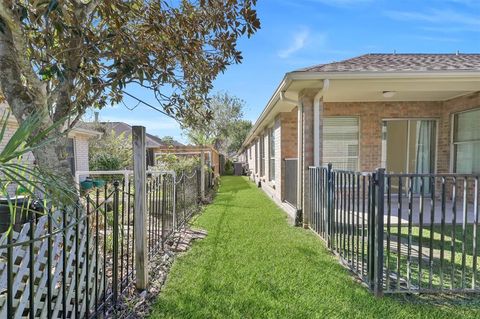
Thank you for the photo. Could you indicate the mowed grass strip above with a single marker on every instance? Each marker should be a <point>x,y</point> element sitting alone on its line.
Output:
<point>254,265</point>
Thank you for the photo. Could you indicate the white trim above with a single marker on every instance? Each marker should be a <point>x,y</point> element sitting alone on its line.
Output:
<point>86,131</point>
<point>314,75</point>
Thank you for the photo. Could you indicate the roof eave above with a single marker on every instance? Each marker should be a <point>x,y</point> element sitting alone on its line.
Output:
<point>315,75</point>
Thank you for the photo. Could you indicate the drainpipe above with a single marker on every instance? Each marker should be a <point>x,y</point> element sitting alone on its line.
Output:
<point>316,123</point>
<point>300,156</point>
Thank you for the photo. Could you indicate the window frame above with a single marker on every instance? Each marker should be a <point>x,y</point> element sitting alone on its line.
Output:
<point>262,155</point>
<point>271,155</point>
<point>453,143</point>
<point>358,138</point>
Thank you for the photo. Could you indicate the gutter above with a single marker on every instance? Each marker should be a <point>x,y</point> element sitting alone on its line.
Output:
<point>86,132</point>
<point>267,110</point>
<point>311,75</point>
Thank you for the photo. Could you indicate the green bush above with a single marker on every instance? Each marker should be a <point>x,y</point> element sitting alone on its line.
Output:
<point>105,162</point>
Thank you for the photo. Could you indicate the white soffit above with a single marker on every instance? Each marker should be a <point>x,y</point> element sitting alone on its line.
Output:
<point>366,90</point>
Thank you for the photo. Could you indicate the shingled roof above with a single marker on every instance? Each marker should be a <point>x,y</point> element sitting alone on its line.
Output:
<point>152,141</point>
<point>402,63</point>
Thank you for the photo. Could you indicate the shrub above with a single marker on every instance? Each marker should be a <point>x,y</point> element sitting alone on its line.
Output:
<point>105,162</point>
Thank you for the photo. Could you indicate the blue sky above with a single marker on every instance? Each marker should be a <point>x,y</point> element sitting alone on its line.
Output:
<point>299,33</point>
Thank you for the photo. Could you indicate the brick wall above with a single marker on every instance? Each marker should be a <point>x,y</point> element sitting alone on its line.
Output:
<point>451,107</point>
<point>277,131</point>
<point>288,142</point>
<point>371,115</point>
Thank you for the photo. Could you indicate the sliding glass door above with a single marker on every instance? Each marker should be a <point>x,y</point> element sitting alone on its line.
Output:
<point>409,146</point>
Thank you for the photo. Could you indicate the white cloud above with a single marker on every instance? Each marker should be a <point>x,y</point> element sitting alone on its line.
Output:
<point>332,3</point>
<point>443,17</point>
<point>438,39</point>
<point>298,42</point>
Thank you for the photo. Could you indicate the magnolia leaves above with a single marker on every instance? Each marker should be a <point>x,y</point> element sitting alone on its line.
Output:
<point>95,51</point>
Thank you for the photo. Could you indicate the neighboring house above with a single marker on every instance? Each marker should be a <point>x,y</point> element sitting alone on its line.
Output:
<point>152,142</point>
<point>408,113</point>
<point>77,147</point>
<point>212,156</point>
<point>157,146</point>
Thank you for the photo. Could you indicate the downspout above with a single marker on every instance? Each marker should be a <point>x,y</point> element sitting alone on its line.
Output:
<point>316,123</point>
<point>300,160</point>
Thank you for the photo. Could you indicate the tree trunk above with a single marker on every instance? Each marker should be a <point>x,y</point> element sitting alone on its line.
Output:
<point>26,94</point>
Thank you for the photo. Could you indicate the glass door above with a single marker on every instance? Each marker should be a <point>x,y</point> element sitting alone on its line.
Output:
<point>409,146</point>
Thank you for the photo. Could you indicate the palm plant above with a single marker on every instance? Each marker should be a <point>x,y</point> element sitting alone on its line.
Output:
<point>19,177</point>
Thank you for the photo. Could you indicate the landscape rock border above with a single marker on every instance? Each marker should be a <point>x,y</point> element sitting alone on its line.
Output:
<point>139,304</point>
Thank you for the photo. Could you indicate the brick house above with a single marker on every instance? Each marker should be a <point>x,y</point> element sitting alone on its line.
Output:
<point>408,113</point>
<point>77,148</point>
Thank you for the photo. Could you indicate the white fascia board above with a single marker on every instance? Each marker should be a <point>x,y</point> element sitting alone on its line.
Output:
<point>305,75</point>
<point>266,111</point>
<point>83,131</point>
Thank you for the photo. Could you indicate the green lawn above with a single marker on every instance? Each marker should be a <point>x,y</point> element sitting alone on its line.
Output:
<point>253,265</point>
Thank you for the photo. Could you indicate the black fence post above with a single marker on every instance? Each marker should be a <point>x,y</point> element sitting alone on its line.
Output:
<point>379,233</point>
<point>330,193</point>
<point>115,243</point>
<point>371,230</point>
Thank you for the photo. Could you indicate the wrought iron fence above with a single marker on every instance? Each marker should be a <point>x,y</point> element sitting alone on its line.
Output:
<point>77,262</point>
<point>291,181</point>
<point>161,209</point>
<point>69,262</point>
<point>400,232</point>
<point>187,196</point>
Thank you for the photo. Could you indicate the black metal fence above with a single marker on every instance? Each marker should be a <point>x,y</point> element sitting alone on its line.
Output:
<point>79,261</point>
<point>290,183</point>
<point>161,210</point>
<point>187,196</point>
<point>400,232</point>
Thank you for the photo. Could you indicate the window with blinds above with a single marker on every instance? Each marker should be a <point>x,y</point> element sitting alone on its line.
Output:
<point>340,142</point>
<point>466,142</point>
<point>271,154</point>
